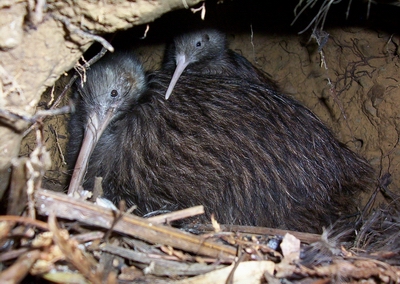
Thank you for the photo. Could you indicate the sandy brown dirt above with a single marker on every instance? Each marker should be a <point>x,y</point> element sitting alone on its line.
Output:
<point>55,136</point>
<point>352,86</point>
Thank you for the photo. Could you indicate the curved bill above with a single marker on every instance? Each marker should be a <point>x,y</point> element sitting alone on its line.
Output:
<point>94,129</point>
<point>181,64</point>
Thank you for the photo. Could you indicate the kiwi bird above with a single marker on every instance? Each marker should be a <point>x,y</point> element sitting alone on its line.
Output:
<point>111,87</point>
<point>250,155</point>
<point>206,52</point>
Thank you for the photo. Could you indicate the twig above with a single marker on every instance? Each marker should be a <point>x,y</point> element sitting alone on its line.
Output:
<point>81,70</point>
<point>177,215</point>
<point>71,208</point>
<point>51,96</point>
<point>72,253</point>
<point>252,43</point>
<point>20,268</point>
<point>14,117</point>
<point>60,151</point>
<point>145,32</point>
<point>25,220</point>
<point>321,14</point>
<point>38,162</point>
<point>38,15</point>
<point>13,120</point>
<point>74,29</point>
<point>202,9</point>
<point>87,237</point>
<point>93,60</point>
<point>185,4</point>
<point>229,280</point>
<point>8,255</point>
<point>368,9</point>
<point>304,237</point>
<point>87,65</point>
<point>40,115</point>
<point>161,266</point>
<point>348,9</point>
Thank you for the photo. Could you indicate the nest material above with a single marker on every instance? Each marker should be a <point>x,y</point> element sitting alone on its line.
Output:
<point>81,242</point>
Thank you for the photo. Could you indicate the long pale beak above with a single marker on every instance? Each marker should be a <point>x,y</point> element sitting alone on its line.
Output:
<point>181,63</point>
<point>94,129</point>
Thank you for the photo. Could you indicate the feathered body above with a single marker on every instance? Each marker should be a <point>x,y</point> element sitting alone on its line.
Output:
<point>250,155</point>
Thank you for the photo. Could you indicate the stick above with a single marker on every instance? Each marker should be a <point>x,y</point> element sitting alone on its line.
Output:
<point>26,221</point>
<point>17,272</point>
<point>304,237</point>
<point>177,215</point>
<point>67,87</point>
<point>74,29</point>
<point>73,209</point>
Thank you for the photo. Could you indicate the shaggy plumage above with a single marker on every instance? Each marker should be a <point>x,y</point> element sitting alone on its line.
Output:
<point>112,86</point>
<point>250,155</point>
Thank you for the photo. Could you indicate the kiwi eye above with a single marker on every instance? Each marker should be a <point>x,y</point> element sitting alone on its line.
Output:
<point>114,93</point>
<point>198,44</point>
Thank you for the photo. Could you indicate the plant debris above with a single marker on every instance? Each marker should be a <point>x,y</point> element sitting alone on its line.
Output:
<point>76,241</point>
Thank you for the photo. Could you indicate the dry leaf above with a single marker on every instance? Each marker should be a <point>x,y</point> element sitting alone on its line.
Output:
<point>246,272</point>
<point>290,248</point>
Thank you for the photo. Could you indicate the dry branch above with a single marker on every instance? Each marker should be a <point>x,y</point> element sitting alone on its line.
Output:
<point>53,109</point>
<point>70,208</point>
<point>164,256</point>
<point>177,215</point>
<point>74,29</point>
<point>304,237</point>
<point>72,253</point>
<point>159,266</point>
<point>25,220</point>
<point>18,271</point>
